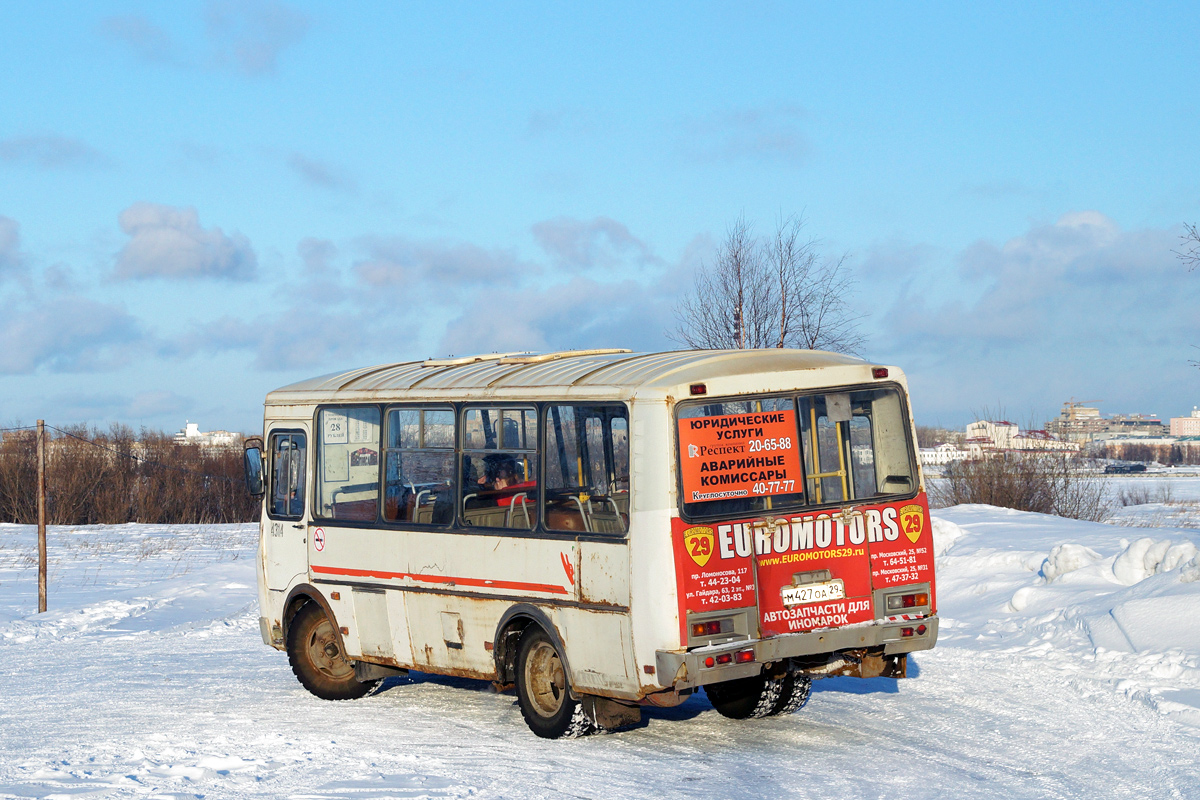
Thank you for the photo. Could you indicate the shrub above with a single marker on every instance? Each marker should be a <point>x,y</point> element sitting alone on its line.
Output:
<point>111,478</point>
<point>1047,483</point>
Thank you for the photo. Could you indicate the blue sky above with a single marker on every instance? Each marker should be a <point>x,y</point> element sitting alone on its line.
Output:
<point>202,201</point>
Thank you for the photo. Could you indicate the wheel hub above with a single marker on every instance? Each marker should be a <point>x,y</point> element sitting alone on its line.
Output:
<point>325,654</point>
<point>546,679</point>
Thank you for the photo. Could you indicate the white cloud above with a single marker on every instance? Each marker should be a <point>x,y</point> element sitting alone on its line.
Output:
<point>11,260</point>
<point>582,313</point>
<point>302,338</point>
<point>317,254</point>
<point>765,133</point>
<point>443,267</point>
<point>320,174</point>
<point>250,34</point>
<point>50,151</point>
<point>67,334</point>
<point>600,243</point>
<point>147,40</point>
<point>168,242</point>
<point>1076,307</point>
<point>144,405</point>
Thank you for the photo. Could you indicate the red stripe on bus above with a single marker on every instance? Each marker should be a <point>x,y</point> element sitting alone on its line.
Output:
<point>374,573</point>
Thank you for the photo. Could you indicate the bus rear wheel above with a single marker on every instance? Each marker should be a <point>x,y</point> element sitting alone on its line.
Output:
<point>317,660</point>
<point>793,695</point>
<point>543,692</point>
<point>747,698</point>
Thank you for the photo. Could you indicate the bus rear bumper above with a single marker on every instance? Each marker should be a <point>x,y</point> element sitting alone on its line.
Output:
<point>837,651</point>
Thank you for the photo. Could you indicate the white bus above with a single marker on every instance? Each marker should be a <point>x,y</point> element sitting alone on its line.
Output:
<point>601,529</point>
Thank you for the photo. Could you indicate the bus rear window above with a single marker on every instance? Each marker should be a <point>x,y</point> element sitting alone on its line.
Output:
<point>855,445</point>
<point>777,454</point>
<point>740,457</point>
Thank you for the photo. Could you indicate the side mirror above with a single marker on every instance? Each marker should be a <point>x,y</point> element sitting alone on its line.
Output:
<point>252,456</point>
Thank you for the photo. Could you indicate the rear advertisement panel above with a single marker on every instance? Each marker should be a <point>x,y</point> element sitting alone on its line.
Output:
<point>804,571</point>
<point>739,455</point>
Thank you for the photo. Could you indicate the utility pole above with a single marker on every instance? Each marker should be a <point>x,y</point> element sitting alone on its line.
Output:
<point>41,497</point>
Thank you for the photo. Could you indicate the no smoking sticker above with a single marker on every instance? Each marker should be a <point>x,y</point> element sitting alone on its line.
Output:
<point>319,539</point>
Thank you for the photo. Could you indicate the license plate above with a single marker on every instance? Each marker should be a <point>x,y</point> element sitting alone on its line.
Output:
<point>814,592</point>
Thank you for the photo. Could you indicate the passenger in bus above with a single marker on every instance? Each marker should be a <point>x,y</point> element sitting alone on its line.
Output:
<point>501,473</point>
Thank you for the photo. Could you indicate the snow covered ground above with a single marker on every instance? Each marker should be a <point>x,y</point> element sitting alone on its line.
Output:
<point>1069,666</point>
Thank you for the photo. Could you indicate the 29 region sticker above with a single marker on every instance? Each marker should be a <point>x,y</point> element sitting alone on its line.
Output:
<point>912,522</point>
<point>699,542</point>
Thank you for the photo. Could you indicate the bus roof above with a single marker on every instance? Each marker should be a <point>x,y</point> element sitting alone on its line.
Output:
<point>584,372</point>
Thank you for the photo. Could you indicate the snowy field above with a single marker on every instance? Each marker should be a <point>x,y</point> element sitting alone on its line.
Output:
<point>1069,666</point>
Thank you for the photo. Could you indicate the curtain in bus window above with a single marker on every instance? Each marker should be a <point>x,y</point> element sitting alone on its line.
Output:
<point>856,445</point>
<point>739,457</point>
<point>499,468</point>
<point>419,466</point>
<point>587,468</point>
<point>348,463</point>
<point>287,478</point>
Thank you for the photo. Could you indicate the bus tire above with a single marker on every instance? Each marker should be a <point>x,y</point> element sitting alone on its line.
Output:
<point>317,659</point>
<point>746,698</point>
<point>793,695</point>
<point>543,692</point>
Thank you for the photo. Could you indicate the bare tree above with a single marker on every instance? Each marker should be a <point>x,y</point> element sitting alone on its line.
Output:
<point>1190,254</point>
<point>772,292</point>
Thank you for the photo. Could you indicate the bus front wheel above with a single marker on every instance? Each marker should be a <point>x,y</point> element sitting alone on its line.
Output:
<point>543,692</point>
<point>317,659</point>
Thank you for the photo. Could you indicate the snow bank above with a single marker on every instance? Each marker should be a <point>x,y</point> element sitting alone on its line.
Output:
<point>1146,557</point>
<point>1127,614</point>
<point>1066,558</point>
<point>945,534</point>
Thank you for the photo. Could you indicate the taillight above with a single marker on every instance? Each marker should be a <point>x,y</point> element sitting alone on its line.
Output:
<point>906,632</point>
<point>921,630</point>
<point>740,657</point>
<point>712,627</point>
<point>879,372</point>
<point>898,601</point>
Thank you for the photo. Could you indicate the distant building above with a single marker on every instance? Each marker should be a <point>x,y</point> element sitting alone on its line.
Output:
<point>946,453</point>
<point>986,437</point>
<point>191,434</point>
<point>1083,424</point>
<point>1186,426</point>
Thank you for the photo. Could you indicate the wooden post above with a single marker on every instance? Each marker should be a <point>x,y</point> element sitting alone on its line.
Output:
<point>41,500</point>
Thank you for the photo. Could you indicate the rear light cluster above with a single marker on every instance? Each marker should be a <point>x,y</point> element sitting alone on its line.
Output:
<point>740,657</point>
<point>712,627</point>
<point>907,632</point>
<point>899,601</point>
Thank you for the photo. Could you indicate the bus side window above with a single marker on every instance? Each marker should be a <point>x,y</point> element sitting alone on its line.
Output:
<point>419,466</point>
<point>287,475</point>
<point>348,463</point>
<point>499,468</point>
<point>587,468</point>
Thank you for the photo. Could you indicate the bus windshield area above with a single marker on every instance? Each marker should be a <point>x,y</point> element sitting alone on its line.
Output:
<point>786,453</point>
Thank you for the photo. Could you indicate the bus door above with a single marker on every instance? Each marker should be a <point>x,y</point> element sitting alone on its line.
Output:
<point>285,529</point>
<point>813,567</point>
<point>835,565</point>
